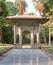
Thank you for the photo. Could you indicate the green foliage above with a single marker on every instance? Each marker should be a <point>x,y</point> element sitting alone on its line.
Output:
<point>48,7</point>
<point>7,33</point>
<point>26,37</point>
<point>3,14</point>
<point>17,38</point>
<point>7,8</point>
<point>2,20</point>
<point>41,38</point>
<point>12,10</point>
<point>5,48</point>
<point>48,10</point>
<point>44,34</point>
<point>3,9</point>
<point>2,0</point>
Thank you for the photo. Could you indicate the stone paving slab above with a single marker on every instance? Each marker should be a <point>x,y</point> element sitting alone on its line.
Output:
<point>26,57</point>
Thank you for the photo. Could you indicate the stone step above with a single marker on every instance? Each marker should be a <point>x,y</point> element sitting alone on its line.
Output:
<point>17,46</point>
<point>26,46</point>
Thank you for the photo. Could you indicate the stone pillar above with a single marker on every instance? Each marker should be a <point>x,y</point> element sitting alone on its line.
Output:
<point>14,35</point>
<point>37,36</point>
<point>37,33</point>
<point>32,36</point>
<point>49,36</point>
<point>20,36</point>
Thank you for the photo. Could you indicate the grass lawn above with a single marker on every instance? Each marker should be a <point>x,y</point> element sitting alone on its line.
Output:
<point>5,48</point>
<point>48,48</point>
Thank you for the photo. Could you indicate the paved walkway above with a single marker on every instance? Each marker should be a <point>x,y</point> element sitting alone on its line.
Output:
<point>26,57</point>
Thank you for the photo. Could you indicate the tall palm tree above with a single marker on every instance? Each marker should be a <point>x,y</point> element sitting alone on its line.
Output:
<point>39,6</point>
<point>21,4</point>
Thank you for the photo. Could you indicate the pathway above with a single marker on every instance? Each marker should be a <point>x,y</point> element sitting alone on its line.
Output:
<point>26,57</point>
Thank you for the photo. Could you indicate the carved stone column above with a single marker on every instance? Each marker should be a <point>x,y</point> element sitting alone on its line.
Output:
<point>32,37</point>
<point>14,34</point>
<point>20,36</point>
<point>37,33</point>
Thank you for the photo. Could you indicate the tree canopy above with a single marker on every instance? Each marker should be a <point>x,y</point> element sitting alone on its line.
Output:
<point>12,9</point>
<point>3,9</point>
<point>6,30</point>
<point>48,7</point>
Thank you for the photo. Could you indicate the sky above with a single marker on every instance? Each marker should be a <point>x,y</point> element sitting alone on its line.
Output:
<point>30,7</point>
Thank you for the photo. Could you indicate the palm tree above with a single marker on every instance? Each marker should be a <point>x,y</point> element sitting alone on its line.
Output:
<point>21,4</point>
<point>39,6</point>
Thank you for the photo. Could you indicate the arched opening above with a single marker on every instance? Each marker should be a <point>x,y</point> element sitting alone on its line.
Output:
<point>26,37</point>
<point>35,39</point>
<point>17,39</point>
